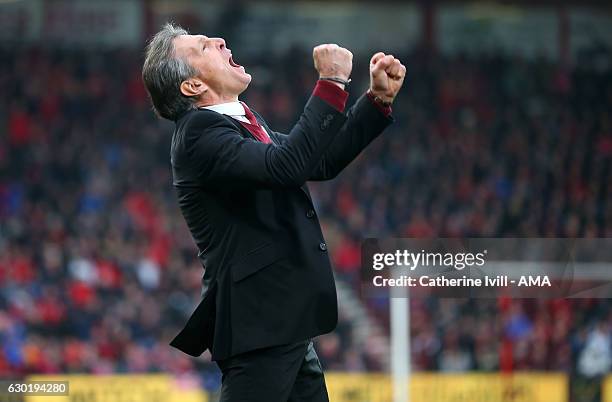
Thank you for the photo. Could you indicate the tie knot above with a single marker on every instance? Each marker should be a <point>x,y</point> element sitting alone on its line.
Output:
<point>254,127</point>
<point>249,115</point>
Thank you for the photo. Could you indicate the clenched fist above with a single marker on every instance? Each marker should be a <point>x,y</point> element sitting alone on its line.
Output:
<point>386,76</point>
<point>331,60</point>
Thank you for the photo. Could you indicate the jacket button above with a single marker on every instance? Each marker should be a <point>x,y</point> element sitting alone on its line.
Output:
<point>322,246</point>
<point>326,122</point>
<point>310,214</point>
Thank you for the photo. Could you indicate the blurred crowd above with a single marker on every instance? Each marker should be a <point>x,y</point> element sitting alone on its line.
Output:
<point>98,270</point>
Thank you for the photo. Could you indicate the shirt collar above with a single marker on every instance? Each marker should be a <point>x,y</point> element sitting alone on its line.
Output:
<point>229,108</point>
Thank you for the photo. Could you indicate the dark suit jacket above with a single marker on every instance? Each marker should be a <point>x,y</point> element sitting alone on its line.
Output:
<point>267,275</point>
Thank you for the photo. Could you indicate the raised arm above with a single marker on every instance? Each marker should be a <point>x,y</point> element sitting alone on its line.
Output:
<point>367,118</point>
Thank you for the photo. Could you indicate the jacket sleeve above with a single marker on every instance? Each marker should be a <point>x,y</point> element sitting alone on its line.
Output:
<point>364,123</point>
<point>223,157</point>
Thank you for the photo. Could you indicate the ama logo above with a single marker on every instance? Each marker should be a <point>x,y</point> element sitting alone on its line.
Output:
<point>534,280</point>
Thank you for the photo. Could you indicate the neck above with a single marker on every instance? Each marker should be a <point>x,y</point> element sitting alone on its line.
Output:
<point>216,99</point>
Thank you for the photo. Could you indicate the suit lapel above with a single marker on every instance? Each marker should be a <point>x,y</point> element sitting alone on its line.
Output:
<point>241,129</point>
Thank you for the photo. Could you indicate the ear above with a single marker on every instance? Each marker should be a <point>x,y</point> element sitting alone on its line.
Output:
<point>193,87</point>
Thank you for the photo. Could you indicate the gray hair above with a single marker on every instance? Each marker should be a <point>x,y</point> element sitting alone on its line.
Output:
<point>163,73</point>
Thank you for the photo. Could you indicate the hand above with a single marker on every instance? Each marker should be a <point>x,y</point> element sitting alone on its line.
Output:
<point>386,76</point>
<point>331,60</point>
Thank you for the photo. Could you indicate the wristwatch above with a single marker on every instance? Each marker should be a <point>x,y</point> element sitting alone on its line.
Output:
<point>378,99</point>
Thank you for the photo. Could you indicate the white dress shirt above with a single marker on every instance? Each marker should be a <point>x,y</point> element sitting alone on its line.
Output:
<point>235,110</point>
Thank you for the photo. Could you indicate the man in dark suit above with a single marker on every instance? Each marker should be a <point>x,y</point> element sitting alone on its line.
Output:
<point>268,287</point>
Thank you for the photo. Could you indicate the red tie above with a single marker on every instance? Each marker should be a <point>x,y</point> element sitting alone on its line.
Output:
<point>254,127</point>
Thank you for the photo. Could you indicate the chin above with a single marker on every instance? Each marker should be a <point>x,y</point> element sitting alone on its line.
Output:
<point>245,80</point>
<point>247,77</point>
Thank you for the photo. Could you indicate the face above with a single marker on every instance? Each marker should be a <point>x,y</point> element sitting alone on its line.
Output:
<point>219,78</point>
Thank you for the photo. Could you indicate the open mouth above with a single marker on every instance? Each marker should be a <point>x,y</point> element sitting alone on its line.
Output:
<point>233,63</point>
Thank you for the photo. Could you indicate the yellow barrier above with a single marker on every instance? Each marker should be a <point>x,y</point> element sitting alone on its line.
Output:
<point>519,387</point>
<point>342,387</point>
<point>118,388</point>
<point>607,389</point>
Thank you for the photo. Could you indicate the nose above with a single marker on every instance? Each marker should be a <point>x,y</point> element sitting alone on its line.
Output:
<point>220,42</point>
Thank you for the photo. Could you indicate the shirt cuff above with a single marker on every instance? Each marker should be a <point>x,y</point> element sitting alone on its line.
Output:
<point>332,94</point>
<point>385,110</point>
